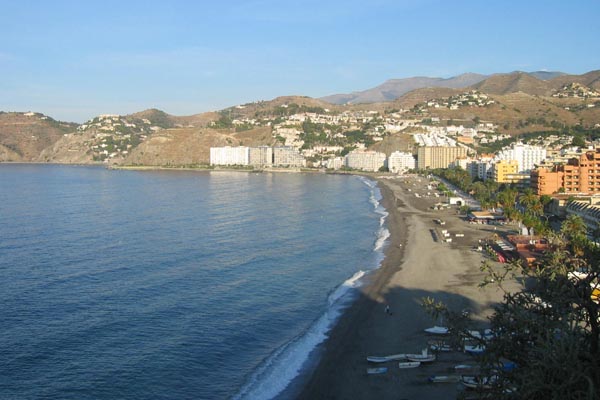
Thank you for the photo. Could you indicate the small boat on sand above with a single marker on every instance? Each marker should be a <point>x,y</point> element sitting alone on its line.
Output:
<point>375,371</point>
<point>440,347</point>
<point>474,350</point>
<point>437,330</point>
<point>475,334</point>
<point>444,378</point>
<point>408,364</point>
<point>423,358</point>
<point>383,359</point>
<point>478,382</point>
<point>465,367</point>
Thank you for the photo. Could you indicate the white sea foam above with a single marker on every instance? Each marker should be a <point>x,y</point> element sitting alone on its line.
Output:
<point>277,371</point>
<point>383,233</point>
<point>283,366</point>
<point>382,238</point>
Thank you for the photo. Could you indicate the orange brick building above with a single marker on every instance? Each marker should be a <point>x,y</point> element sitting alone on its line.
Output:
<point>579,175</point>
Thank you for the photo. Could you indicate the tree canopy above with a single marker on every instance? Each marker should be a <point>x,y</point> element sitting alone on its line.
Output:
<point>548,327</point>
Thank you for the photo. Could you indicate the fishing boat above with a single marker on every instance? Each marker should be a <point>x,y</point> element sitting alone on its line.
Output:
<point>437,330</point>
<point>488,334</point>
<point>475,334</point>
<point>375,371</point>
<point>440,347</point>
<point>408,364</point>
<point>383,359</point>
<point>444,378</point>
<point>423,358</point>
<point>474,349</point>
<point>478,382</point>
<point>465,367</point>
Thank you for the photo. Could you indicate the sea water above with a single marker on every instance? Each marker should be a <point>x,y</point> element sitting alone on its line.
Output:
<point>174,285</point>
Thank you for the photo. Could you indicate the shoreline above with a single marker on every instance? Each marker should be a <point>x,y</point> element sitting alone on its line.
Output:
<point>407,273</point>
<point>341,332</point>
<point>415,266</point>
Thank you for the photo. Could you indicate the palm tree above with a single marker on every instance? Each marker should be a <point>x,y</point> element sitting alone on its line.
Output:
<point>573,227</point>
<point>536,208</point>
<point>507,198</point>
<point>528,198</point>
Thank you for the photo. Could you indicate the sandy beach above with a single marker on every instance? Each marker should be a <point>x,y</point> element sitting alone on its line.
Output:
<point>417,265</point>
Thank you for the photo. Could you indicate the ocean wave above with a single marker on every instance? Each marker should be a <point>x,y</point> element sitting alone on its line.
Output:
<point>383,233</point>
<point>382,238</point>
<point>283,366</point>
<point>276,372</point>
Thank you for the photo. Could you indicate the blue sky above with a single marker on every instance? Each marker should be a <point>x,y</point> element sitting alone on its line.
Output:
<point>73,60</point>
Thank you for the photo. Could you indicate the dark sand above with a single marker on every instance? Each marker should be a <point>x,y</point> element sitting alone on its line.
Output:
<point>416,266</point>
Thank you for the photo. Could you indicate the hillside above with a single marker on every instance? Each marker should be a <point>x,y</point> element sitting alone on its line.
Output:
<point>190,146</point>
<point>72,148</point>
<point>155,117</point>
<point>546,75</point>
<point>24,135</point>
<point>277,105</point>
<point>409,100</point>
<point>514,82</point>
<point>590,79</point>
<point>162,119</point>
<point>515,113</point>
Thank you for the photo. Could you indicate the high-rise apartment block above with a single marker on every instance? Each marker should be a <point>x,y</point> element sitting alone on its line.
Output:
<point>287,156</point>
<point>438,156</point>
<point>399,162</point>
<point>229,155</point>
<point>261,156</point>
<point>365,160</point>
<point>525,155</point>
<point>579,175</point>
<point>506,171</point>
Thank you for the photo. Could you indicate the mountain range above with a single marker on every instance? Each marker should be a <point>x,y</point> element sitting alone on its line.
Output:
<point>394,88</point>
<point>521,102</point>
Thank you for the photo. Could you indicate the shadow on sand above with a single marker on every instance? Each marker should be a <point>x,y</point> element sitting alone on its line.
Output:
<point>366,329</point>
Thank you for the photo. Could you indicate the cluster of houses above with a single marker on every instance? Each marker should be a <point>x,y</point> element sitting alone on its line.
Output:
<point>472,98</point>
<point>576,90</point>
<point>113,135</point>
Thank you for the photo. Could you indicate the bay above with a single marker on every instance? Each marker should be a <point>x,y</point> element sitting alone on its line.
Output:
<point>173,285</point>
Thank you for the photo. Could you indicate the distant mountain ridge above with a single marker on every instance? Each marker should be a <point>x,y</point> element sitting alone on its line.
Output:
<point>520,102</point>
<point>395,88</point>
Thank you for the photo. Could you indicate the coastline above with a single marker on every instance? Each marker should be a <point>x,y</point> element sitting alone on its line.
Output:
<point>415,266</point>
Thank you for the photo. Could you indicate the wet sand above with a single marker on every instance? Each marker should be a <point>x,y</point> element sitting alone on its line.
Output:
<point>418,264</point>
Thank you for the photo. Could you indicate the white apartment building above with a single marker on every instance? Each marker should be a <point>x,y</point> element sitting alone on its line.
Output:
<point>335,163</point>
<point>229,155</point>
<point>526,155</point>
<point>400,162</point>
<point>287,156</point>
<point>365,160</point>
<point>261,156</point>
<point>462,162</point>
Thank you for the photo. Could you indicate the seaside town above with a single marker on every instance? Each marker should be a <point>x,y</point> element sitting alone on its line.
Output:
<point>487,203</point>
<point>308,200</point>
<point>519,207</point>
